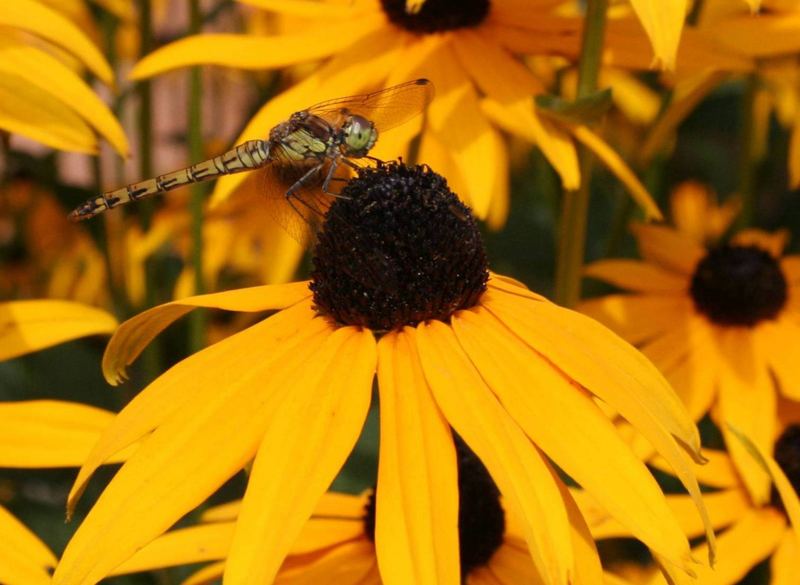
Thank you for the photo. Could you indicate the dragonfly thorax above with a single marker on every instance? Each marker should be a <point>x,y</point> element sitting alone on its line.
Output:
<point>358,136</point>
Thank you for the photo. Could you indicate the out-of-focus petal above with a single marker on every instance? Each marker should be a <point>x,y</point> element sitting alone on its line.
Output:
<point>771,242</point>
<point>637,318</point>
<point>50,75</point>
<point>24,559</point>
<point>783,354</point>
<point>417,513</point>
<point>785,563</point>
<point>49,433</point>
<point>136,333</point>
<point>637,276</point>
<point>252,52</point>
<point>28,326</point>
<point>663,21</point>
<point>668,248</point>
<point>309,8</point>
<point>312,428</point>
<point>36,18</point>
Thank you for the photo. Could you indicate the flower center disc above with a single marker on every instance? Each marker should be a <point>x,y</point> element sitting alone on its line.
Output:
<point>397,248</point>
<point>738,285</point>
<point>481,519</point>
<point>437,15</point>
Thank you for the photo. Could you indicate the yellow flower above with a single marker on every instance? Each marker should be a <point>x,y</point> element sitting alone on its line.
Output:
<point>41,96</point>
<point>719,322</point>
<point>750,532</point>
<point>468,50</point>
<point>337,545</point>
<point>399,289</point>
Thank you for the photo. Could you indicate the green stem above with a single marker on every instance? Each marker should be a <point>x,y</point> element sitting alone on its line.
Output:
<point>575,208</point>
<point>197,325</point>
<point>749,155</point>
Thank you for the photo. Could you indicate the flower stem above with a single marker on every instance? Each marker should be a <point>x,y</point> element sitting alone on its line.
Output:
<point>197,325</point>
<point>749,152</point>
<point>575,207</point>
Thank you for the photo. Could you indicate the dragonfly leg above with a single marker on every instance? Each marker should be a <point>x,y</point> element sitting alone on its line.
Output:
<point>329,177</point>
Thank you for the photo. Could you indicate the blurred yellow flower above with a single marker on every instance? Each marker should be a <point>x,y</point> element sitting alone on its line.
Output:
<point>41,96</point>
<point>469,52</point>
<point>719,322</point>
<point>399,290</point>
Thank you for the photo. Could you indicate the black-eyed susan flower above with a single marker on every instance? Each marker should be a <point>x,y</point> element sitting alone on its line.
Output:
<point>468,49</point>
<point>337,544</point>
<point>749,533</point>
<point>720,322</point>
<point>42,96</point>
<point>400,288</point>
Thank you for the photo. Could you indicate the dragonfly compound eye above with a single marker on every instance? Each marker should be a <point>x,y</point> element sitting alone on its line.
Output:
<point>359,134</point>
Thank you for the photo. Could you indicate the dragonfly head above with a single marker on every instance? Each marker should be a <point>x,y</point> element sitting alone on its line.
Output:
<point>359,135</point>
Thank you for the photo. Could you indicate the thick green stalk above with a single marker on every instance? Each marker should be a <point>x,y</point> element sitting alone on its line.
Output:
<point>749,153</point>
<point>575,207</point>
<point>197,325</point>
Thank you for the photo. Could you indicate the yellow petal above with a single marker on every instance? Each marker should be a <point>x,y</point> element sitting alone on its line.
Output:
<point>208,574</point>
<point>36,18</point>
<point>416,534</point>
<point>134,334</point>
<point>24,559</point>
<point>663,21</point>
<point>350,564</point>
<point>771,242</point>
<point>768,35</point>
<point>522,474</point>
<point>511,86</point>
<point>346,73</point>
<point>52,76</point>
<point>748,542</point>
<point>28,326</point>
<point>36,114</point>
<point>637,318</point>
<point>311,431</point>
<point>637,276</point>
<point>614,163</point>
<point>747,401</point>
<point>668,247</point>
<point>784,563</point>
<point>197,544</point>
<point>545,403</point>
<point>718,471</point>
<point>49,433</point>
<point>587,560</point>
<point>309,8</point>
<point>507,566</point>
<point>177,388</point>
<point>323,533</point>
<point>251,51</point>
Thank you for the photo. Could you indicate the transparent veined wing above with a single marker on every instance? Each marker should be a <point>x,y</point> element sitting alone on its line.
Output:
<point>386,108</point>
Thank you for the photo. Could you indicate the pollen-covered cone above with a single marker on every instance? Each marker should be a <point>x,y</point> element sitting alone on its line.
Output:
<point>400,290</point>
<point>42,96</point>
<point>720,323</point>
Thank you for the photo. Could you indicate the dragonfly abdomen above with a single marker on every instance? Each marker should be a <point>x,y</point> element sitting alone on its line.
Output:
<point>244,157</point>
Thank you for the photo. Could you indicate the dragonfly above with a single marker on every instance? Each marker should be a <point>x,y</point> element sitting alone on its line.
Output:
<point>299,160</point>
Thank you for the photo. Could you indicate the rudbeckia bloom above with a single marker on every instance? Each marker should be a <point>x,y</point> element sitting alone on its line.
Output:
<point>750,533</point>
<point>336,546</point>
<point>467,48</point>
<point>721,322</point>
<point>400,288</point>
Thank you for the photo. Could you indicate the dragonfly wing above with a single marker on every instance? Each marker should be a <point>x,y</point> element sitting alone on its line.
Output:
<point>385,108</point>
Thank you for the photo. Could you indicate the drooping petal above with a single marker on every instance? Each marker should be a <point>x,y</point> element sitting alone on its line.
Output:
<point>511,86</point>
<point>197,448</point>
<point>49,433</point>
<point>663,21</point>
<point>28,326</point>
<point>637,318</point>
<point>24,559</point>
<point>569,427</point>
<point>587,560</point>
<point>668,248</point>
<point>361,66</point>
<point>637,276</point>
<point>416,525</point>
<point>42,21</point>
<point>197,544</point>
<point>251,51</point>
<point>747,400</point>
<point>311,430</point>
<point>522,474</point>
<point>135,334</point>
<point>28,62</point>
<point>177,388</point>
